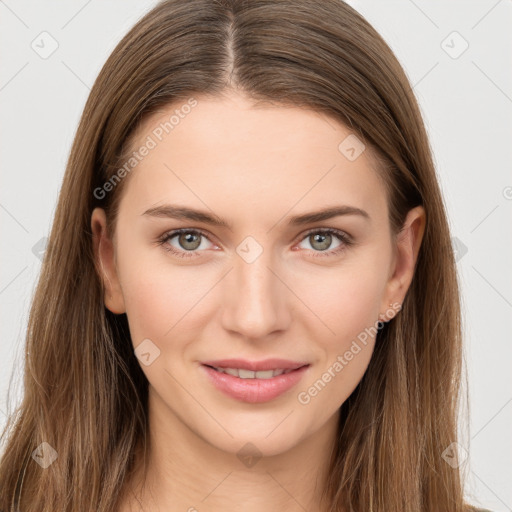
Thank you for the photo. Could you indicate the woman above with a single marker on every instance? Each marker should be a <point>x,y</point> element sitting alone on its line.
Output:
<point>249,297</point>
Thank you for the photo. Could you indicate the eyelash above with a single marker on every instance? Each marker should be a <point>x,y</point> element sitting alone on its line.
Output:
<point>343,237</point>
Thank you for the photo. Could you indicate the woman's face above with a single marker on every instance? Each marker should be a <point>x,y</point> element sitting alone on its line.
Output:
<point>258,272</point>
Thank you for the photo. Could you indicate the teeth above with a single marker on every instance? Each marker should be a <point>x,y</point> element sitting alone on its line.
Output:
<point>249,374</point>
<point>268,374</point>
<point>246,374</point>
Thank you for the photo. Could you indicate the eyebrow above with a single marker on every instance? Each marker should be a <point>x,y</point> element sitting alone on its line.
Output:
<point>185,213</point>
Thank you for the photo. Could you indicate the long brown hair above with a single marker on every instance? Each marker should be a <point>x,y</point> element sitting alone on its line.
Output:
<point>84,391</point>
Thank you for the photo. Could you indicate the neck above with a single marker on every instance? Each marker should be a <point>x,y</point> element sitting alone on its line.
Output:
<point>184,472</point>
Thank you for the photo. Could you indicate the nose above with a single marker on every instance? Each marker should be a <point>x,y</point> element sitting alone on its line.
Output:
<point>254,298</point>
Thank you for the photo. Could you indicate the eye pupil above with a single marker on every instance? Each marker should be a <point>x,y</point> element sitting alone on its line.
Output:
<point>324,239</point>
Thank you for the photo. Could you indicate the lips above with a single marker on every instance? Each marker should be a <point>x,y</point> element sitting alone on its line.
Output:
<point>255,366</point>
<point>254,381</point>
<point>249,374</point>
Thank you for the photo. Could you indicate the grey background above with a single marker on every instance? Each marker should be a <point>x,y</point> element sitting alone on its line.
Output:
<point>466,100</point>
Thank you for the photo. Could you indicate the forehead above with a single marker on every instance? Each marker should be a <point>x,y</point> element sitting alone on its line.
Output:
<point>230,154</point>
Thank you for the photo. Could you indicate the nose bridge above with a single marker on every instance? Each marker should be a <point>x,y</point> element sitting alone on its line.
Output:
<point>255,301</point>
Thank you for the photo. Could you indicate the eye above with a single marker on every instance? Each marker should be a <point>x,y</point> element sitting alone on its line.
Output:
<point>188,242</point>
<point>321,240</point>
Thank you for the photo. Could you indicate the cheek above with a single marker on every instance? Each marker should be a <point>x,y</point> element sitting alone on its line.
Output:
<point>353,313</point>
<point>158,304</point>
<point>157,296</point>
<point>350,311</point>
<point>345,300</point>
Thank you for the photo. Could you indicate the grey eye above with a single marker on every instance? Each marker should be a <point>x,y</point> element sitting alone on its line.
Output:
<point>189,241</point>
<point>321,241</point>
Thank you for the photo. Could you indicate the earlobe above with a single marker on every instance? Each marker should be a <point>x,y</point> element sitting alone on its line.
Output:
<point>408,243</point>
<point>105,263</point>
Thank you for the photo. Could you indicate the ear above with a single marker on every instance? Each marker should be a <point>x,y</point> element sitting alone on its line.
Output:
<point>408,242</point>
<point>104,256</point>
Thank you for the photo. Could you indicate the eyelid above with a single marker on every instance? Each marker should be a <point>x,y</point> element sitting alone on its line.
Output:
<point>338,232</point>
<point>345,239</point>
<point>198,231</point>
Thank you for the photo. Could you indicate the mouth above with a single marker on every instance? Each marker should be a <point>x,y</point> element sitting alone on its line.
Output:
<point>254,386</point>
<point>242,373</point>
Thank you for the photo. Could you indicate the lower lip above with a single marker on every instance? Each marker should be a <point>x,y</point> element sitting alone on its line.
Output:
<point>254,390</point>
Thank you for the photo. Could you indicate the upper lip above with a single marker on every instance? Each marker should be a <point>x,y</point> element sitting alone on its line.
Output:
<point>255,366</point>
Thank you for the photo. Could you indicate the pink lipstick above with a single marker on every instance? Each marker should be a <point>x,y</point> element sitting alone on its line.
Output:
<point>254,381</point>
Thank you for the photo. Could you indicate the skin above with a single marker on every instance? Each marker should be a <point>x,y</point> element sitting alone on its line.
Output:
<point>253,167</point>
